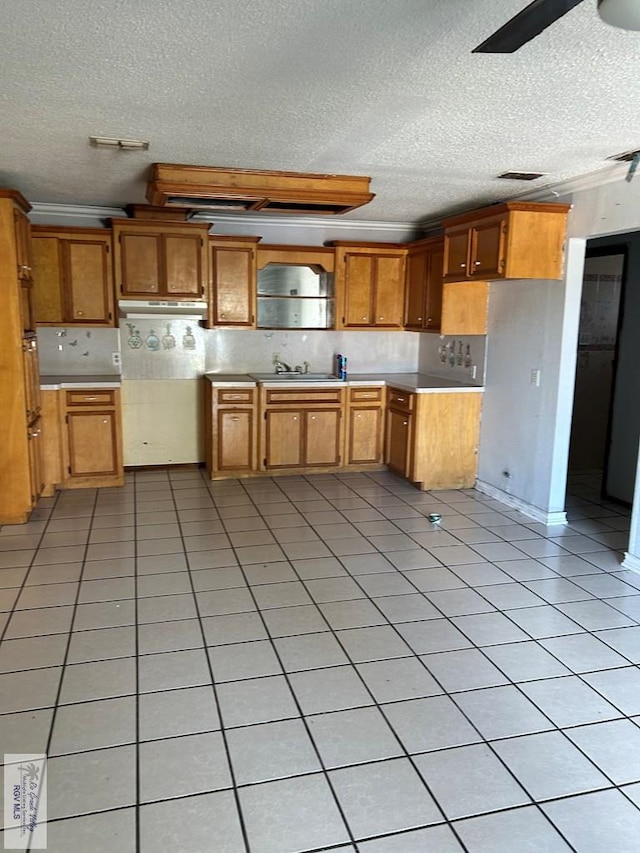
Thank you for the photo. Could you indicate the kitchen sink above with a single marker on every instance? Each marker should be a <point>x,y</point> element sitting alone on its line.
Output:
<point>294,377</point>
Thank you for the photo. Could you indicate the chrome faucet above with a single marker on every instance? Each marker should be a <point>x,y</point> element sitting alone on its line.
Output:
<point>281,367</point>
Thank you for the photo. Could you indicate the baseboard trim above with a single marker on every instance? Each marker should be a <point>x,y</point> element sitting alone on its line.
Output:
<point>548,518</point>
<point>631,562</point>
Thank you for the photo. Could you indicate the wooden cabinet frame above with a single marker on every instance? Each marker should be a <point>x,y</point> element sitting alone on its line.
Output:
<point>73,277</point>
<point>232,282</point>
<point>91,429</point>
<point>513,240</point>
<point>365,426</point>
<point>423,297</point>
<point>231,445</point>
<point>148,262</point>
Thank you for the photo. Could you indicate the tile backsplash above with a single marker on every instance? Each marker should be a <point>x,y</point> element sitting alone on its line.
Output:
<point>74,350</point>
<point>454,357</point>
<point>182,349</point>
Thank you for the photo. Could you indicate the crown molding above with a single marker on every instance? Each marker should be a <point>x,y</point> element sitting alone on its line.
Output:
<point>332,223</point>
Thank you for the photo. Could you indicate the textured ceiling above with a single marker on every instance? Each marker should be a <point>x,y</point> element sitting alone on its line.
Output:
<point>371,87</point>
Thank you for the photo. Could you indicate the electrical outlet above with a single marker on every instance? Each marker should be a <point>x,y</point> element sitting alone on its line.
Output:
<point>115,359</point>
<point>276,357</point>
<point>534,378</point>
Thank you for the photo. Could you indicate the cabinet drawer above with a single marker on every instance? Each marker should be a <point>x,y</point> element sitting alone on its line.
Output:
<point>90,398</point>
<point>235,395</point>
<point>365,395</point>
<point>303,395</point>
<point>401,400</point>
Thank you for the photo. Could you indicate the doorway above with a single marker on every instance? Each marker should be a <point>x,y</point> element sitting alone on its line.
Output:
<point>593,467</point>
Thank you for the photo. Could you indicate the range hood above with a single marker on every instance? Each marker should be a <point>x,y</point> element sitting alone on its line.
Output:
<point>138,309</point>
<point>215,189</point>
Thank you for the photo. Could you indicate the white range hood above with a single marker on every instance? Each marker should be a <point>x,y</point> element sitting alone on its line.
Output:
<point>140,309</point>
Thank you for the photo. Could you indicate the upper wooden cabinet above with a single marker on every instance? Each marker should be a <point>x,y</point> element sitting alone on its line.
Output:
<point>72,277</point>
<point>510,240</point>
<point>423,308</point>
<point>158,259</point>
<point>369,280</point>
<point>232,271</point>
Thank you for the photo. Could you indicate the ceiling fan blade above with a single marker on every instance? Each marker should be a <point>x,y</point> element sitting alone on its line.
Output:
<point>526,25</point>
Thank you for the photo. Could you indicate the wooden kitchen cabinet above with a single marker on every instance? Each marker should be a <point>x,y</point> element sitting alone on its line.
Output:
<point>302,428</point>
<point>91,438</point>
<point>73,277</point>
<point>423,311</point>
<point>19,404</point>
<point>230,430</point>
<point>232,271</point>
<point>369,279</point>
<point>365,426</point>
<point>513,240</point>
<point>399,431</point>
<point>465,305</point>
<point>159,259</point>
<point>432,439</point>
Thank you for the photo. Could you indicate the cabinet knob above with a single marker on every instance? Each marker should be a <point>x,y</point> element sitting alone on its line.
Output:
<point>419,318</point>
<point>380,318</point>
<point>358,416</point>
<point>223,316</point>
<point>404,423</point>
<point>463,265</point>
<point>313,417</point>
<point>80,313</point>
<point>105,421</point>
<point>295,417</point>
<point>235,419</point>
<point>363,318</point>
<point>478,263</point>
<point>400,399</point>
<point>429,319</point>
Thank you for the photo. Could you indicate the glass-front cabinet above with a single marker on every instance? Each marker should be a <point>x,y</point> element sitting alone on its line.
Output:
<point>295,297</point>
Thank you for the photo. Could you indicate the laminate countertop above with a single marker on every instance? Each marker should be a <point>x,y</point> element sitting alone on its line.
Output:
<point>418,383</point>
<point>56,383</point>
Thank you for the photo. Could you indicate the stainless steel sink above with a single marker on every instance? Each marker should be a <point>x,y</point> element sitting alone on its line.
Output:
<point>294,377</point>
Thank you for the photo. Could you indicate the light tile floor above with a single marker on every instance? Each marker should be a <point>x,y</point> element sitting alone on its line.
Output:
<point>307,663</point>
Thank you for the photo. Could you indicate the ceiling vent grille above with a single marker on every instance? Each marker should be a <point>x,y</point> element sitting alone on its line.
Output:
<point>626,157</point>
<point>521,176</point>
<point>209,188</point>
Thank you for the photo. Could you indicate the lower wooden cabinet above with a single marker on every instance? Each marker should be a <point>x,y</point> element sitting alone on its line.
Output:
<point>302,428</point>
<point>230,429</point>
<point>91,438</point>
<point>432,439</point>
<point>365,426</point>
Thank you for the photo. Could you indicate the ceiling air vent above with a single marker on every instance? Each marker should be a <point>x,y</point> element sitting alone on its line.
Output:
<point>209,188</point>
<point>627,157</point>
<point>521,176</point>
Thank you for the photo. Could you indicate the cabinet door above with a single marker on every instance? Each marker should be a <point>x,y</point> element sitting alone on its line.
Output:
<point>358,287</point>
<point>433,302</point>
<point>35,461</point>
<point>464,308</point>
<point>234,286</point>
<point>140,264</point>
<point>456,254</point>
<point>31,378</point>
<point>92,444</point>
<point>88,281</point>
<point>23,249</point>
<point>48,299</point>
<point>487,249</point>
<point>235,440</point>
<point>398,442</point>
<point>322,438</point>
<point>183,265</point>
<point>283,438</point>
<point>389,291</point>
<point>365,433</point>
<point>417,271</point>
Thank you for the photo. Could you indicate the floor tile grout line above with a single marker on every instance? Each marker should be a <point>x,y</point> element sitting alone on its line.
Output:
<point>587,631</point>
<point>56,704</point>
<point>243,827</point>
<point>136,640</point>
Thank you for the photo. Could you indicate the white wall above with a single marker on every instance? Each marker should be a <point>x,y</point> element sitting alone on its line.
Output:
<point>532,326</point>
